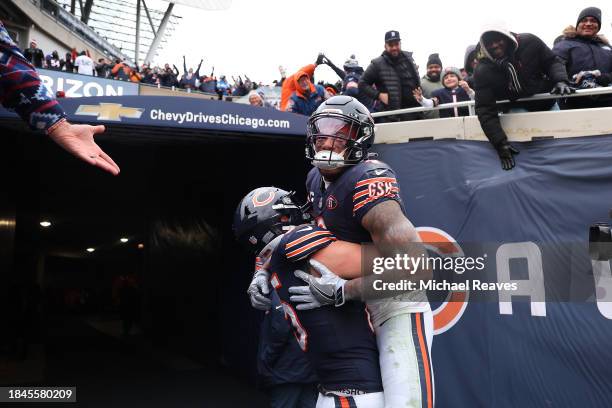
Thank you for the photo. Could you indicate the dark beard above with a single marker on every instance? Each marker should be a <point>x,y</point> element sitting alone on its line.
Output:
<point>434,77</point>
<point>394,59</point>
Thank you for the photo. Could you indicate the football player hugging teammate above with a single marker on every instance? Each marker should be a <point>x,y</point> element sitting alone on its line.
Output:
<point>357,349</point>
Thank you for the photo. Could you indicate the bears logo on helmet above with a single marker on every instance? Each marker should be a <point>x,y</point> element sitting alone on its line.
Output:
<point>264,214</point>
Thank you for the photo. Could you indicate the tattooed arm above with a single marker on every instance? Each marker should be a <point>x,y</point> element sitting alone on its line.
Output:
<point>392,234</point>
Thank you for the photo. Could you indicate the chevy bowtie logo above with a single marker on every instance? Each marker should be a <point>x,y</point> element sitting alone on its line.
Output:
<point>109,111</point>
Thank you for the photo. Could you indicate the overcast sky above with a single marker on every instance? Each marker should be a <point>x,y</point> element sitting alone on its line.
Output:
<point>255,37</point>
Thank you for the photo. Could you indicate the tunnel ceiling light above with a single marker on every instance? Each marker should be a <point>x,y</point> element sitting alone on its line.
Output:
<point>45,224</point>
<point>124,240</point>
<point>90,250</point>
<point>140,246</point>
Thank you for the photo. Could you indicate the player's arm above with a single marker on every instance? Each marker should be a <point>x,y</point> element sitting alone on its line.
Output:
<point>344,258</point>
<point>392,234</point>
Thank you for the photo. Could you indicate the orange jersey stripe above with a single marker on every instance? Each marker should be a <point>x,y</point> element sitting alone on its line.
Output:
<point>360,194</point>
<point>369,200</point>
<point>307,247</point>
<point>423,348</point>
<point>306,237</point>
<point>376,179</point>
<point>366,192</point>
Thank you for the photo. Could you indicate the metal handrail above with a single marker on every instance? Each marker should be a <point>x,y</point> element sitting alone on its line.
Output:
<point>537,97</point>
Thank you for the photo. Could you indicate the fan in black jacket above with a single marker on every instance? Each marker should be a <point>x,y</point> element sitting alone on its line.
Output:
<point>513,66</point>
<point>391,79</point>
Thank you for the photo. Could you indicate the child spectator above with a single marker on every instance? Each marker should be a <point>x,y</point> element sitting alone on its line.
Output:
<point>454,90</point>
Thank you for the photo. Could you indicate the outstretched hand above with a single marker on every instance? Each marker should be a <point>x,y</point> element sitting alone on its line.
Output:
<point>78,140</point>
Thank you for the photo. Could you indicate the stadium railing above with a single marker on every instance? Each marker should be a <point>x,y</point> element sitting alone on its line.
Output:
<point>470,104</point>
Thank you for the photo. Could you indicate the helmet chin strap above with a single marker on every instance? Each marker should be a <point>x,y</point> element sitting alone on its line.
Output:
<point>328,160</point>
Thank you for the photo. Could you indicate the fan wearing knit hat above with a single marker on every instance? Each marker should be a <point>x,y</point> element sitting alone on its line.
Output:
<point>455,89</point>
<point>431,81</point>
<point>587,56</point>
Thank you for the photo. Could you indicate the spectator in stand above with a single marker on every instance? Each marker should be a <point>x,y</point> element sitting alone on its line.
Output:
<point>54,62</point>
<point>431,81</point>
<point>84,64</point>
<point>134,75</point>
<point>258,99</point>
<point>513,66</point>
<point>289,83</point>
<point>190,79</point>
<point>331,89</point>
<point>454,89</point>
<point>469,63</point>
<point>34,54</point>
<point>69,62</point>
<point>103,68</point>
<point>350,76</point>
<point>307,97</point>
<point>283,74</point>
<point>587,56</point>
<point>208,84</point>
<point>240,87</point>
<point>168,77</point>
<point>391,79</point>
<point>149,76</point>
<point>223,87</point>
<point>121,70</point>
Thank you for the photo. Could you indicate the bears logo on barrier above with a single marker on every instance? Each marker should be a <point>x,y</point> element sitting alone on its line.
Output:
<point>450,311</point>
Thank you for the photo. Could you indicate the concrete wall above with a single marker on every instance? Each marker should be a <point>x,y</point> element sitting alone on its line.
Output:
<point>520,127</point>
<point>45,42</point>
<point>47,31</point>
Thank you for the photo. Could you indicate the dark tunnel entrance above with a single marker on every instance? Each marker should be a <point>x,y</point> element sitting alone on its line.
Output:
<point>177,284</point>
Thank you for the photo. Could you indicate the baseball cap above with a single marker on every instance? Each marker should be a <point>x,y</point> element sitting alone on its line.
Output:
<point>392,36</point>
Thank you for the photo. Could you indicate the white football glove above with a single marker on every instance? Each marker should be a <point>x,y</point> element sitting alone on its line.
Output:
<point>259,290</point>
<point>323,291</point>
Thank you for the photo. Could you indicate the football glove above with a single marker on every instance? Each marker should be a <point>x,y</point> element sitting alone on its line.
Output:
<point>322,291</point>
<point>259,290</point>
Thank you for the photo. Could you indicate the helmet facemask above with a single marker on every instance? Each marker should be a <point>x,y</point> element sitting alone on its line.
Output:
<point>336,140</point>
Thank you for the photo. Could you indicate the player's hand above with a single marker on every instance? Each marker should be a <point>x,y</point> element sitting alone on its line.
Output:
<point>325,290</point>
<point>259,290</point>
<point>302,294</point>
<point>78,140</point>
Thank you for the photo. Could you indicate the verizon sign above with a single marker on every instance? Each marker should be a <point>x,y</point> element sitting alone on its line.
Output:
<point>75,85</point>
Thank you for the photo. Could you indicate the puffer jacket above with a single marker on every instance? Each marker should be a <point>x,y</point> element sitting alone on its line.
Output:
<point>392,76</point>
<point>530,67</point>
<point>585,54</point>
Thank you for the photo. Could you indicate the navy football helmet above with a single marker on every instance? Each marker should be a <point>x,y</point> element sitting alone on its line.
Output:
<point>339,133</point>
<point>265,213</point>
